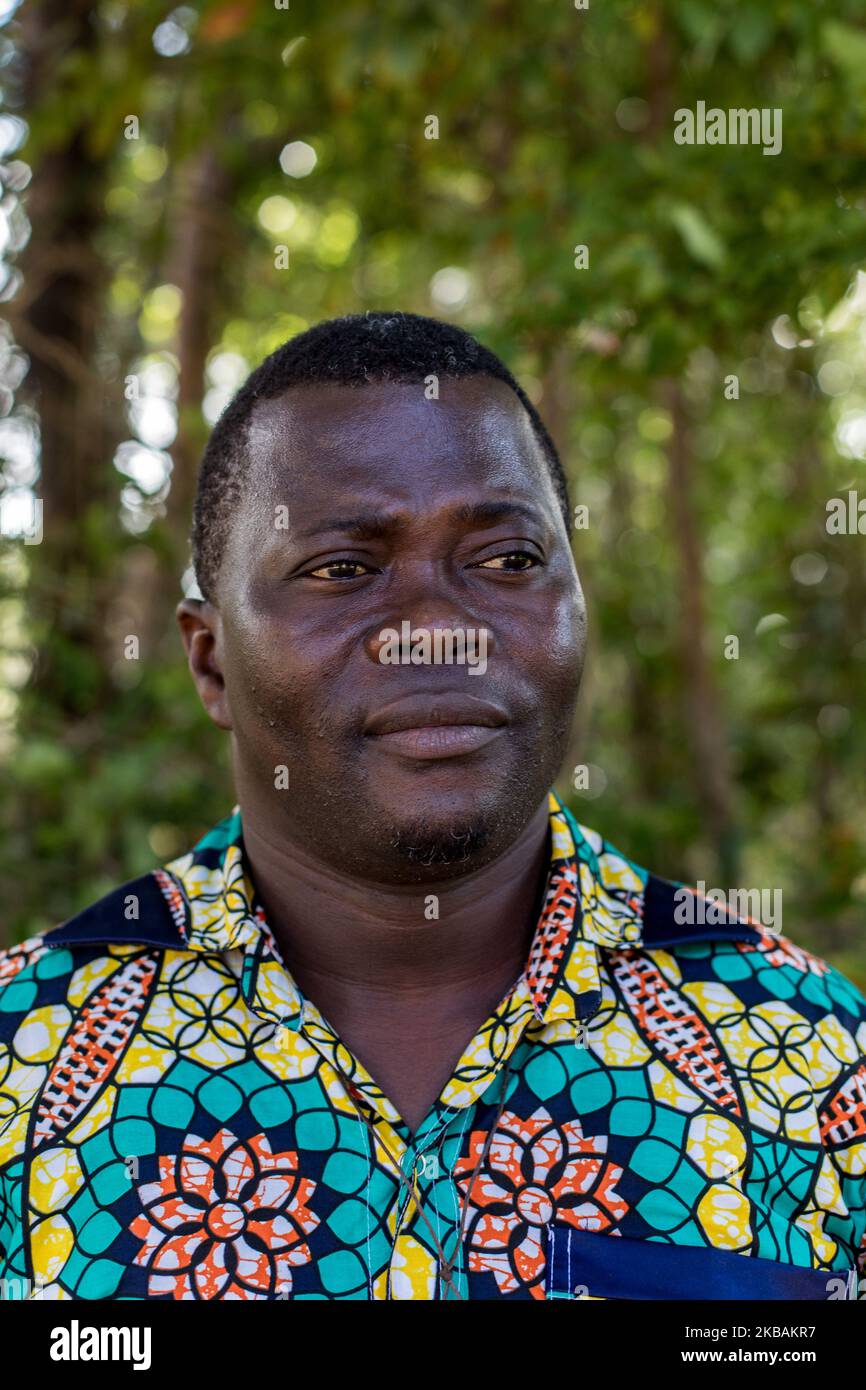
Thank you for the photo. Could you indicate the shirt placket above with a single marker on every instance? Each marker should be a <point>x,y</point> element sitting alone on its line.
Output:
<point>412,1270</point>
<point>416,1221</point>
<point>416,1268</point>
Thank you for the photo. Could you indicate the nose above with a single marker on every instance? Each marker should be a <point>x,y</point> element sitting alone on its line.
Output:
<point>428,639</point>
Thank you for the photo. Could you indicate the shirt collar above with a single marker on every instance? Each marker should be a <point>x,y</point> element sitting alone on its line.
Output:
<point>594,898</point>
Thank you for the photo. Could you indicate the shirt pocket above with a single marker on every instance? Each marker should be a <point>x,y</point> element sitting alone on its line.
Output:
<point>586,1264</point>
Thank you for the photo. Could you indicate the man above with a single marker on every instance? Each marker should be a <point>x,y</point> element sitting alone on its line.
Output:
<point>399,1027</point>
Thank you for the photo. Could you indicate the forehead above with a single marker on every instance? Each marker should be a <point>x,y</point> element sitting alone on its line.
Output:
<point>389,438</point>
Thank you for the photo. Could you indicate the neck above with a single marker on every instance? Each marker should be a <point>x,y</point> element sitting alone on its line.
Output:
<point>341,933</point>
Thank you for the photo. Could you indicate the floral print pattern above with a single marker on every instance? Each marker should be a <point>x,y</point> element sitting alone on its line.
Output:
<point>225,1220</point>
<point>537,1172</point>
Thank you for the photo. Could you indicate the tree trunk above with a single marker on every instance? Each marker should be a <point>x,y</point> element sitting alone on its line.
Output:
<point>199,251</point>
<point>700,698</point>
<point>56,320</point>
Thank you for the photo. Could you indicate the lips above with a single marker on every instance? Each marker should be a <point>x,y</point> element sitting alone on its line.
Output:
<point>433,711</point>
<point>435,726</point>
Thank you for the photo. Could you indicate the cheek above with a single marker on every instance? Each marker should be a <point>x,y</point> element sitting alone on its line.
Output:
<point>280,685</point>
<point>288,646</point>
<point>557,645</point>
<point>568,630</point>
<point>258,669</point>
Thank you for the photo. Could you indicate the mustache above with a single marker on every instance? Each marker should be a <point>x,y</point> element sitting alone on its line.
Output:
<point>345,714</point>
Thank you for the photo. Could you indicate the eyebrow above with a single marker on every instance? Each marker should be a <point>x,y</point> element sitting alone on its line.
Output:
<point>488,513</point>
<point>369,526</point>
<point>366,526</point>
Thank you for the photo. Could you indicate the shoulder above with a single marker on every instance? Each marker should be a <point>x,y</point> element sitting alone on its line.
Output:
<point>715,944</point>
<point>71,997</point>
<point>756,964</point>
<point>773,966</point>
<point>791,972</point>
<point>46,980</point>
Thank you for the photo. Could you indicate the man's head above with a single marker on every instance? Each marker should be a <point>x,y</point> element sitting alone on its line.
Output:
<point>384,473</point>
<point>350,351</point>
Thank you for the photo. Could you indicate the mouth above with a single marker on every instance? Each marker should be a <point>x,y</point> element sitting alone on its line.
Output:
<point>435,726</point>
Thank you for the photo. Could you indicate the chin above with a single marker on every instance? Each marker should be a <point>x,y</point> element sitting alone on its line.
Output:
<point>444,825</point>
<point>428,845</point>
<point>450,837</point>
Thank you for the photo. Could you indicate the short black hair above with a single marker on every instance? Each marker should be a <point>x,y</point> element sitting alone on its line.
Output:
<point>378,345</point>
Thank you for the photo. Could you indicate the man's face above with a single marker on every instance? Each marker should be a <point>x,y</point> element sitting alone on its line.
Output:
<point>368,508</point>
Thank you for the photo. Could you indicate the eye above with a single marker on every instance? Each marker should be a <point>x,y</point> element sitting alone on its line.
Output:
<point>513,562</point>
<point>340,569</point>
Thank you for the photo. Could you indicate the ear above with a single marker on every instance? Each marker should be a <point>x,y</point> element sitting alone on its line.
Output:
<point>201,630</point>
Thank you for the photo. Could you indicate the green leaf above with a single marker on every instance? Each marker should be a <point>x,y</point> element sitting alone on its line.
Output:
<point>847,48</point>
<point>699,239</point>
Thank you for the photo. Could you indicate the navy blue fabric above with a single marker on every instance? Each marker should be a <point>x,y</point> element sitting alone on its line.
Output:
<point>107,920</point>
<point>613,1267</point>
<point>661,929</point>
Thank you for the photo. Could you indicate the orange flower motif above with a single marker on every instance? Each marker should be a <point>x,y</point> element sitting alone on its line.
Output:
<point>227,1219</point>
<point>536,1172</point>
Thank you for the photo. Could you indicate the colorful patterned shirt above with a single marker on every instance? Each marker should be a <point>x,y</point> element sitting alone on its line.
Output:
<point>654,1110</point>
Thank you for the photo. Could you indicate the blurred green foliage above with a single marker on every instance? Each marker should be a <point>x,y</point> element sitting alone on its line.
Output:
<point>706,513</point>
